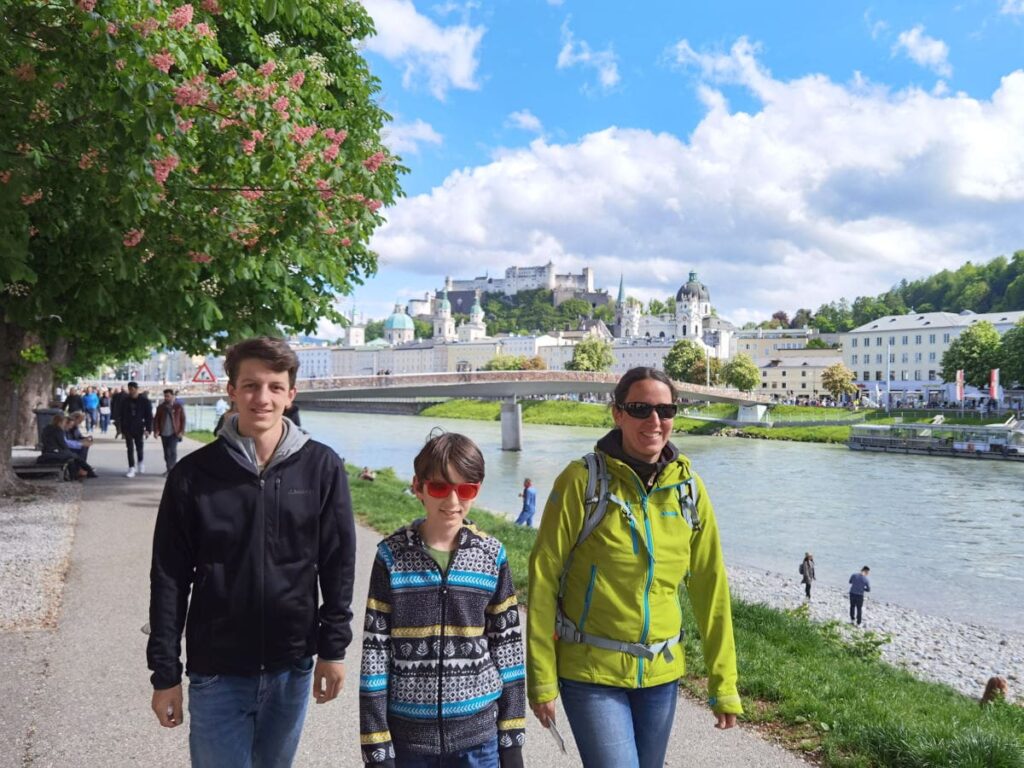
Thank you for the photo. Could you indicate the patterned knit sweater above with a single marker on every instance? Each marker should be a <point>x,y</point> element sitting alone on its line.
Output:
<point>442,668</point>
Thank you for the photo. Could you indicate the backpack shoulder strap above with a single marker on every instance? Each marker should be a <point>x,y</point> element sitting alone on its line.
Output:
<point>688,498</point>
<point>595,503</point>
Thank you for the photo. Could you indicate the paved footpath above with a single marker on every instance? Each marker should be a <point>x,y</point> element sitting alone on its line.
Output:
<point>79,695</point>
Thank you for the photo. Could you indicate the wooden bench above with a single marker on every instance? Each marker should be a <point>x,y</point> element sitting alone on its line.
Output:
<point>30,470</point>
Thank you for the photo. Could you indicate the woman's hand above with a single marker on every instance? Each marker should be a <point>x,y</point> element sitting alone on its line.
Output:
<point>725,721</point>
<point>545,712</point>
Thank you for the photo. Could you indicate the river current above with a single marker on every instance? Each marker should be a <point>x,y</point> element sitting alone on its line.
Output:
<point>944,536</point>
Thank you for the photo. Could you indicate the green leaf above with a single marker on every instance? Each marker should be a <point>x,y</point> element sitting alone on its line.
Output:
<point>269,9</point>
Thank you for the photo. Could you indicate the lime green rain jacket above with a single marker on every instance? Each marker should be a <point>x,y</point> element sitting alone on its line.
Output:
<point>623,585</point>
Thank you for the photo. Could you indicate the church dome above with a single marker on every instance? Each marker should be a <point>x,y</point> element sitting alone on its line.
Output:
<point>693,289</point>
<point>398,321</point>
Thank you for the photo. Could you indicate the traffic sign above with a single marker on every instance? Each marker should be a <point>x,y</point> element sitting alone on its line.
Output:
<point>204,375</point>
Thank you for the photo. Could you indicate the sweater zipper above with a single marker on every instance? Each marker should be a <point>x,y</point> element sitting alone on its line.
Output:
<point>443,597</point>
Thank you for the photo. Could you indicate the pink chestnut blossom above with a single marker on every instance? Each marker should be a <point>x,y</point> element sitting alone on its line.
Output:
<point>211,6</point>
<point>35,197</point>
<point>133,237</point>
<point>191,94</point>
<point>112,29</point>
<point>5,177</point>
<point>266,69</point>
<point>251,194</point>
<point>373,205</point>
<point>227,77</point>
<point>301,135</point>
<point>305,161</point>
<point>295,81</point>
<point>119,64</point>
<point>200,258</point>
<point>203,30</point>
<point>162,168</point>
<point>345,241</point>
<point>25,72</point>
<point>146,27</point>
<point>248,146</point>
<point>326,193</point>
<point>336,137</point>
<point>373,162</point>
<point>86,5</point>
<point>180,17</point>
<point>185,125</point>
<point>88,159</point>
<point>330,153</point>
<point>162,61</point>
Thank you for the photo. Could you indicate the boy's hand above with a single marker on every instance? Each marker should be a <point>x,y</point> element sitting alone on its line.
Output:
<point>545,712</point>
<point>328,680</point>
<point>167,704</point>
<point>725,721</point>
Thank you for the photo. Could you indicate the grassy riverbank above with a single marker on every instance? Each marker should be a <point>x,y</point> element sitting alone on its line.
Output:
<point>789,420</point>
<point>817,693</point>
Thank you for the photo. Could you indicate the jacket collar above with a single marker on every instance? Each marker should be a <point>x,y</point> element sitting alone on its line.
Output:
<point>244,448</point>
<point>611,445</point>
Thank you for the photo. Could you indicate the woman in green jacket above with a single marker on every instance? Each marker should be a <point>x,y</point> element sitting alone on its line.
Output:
<point>605,621</point>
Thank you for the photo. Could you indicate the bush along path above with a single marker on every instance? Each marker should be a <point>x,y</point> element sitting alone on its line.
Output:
<point>818,688</point>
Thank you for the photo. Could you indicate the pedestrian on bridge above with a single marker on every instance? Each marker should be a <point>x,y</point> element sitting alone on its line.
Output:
<point>631,519</point>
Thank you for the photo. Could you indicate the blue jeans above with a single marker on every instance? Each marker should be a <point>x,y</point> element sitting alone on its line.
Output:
<point>251,721</point>
<point>620,727</point>
<point>484,756</point>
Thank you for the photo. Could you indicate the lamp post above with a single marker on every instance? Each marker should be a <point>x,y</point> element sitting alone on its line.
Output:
<point>162,360</point>
<point>888,376</point>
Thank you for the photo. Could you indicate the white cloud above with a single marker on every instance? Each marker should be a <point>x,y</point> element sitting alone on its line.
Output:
<point>405,138</point>
<point>926,51</point>
<point>824,190</point>
<point>525,120</point>
<point>1013,7</point>
<point>579,53</point>
<point>442,57</point>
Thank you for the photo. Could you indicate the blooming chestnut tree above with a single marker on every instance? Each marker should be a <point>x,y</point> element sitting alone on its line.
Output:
<point>179,174</point>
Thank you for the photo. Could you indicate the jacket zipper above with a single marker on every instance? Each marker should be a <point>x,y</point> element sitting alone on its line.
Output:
<point>443,596</point>
<point>262,522</point>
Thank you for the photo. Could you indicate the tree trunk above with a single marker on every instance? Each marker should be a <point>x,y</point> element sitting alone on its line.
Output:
<point>12,341</point>
<point>35,391</point>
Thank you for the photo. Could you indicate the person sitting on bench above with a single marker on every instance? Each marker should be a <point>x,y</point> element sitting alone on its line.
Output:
<point>56,450</point>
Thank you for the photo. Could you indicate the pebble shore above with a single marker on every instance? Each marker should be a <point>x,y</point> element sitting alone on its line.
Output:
<point>35,547</point>
<point>961,655</point>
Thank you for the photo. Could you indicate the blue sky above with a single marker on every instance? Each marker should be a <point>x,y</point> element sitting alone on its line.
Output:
<point>791,153</point>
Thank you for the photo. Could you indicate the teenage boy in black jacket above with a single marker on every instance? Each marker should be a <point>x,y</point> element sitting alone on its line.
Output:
<point>251,523</point>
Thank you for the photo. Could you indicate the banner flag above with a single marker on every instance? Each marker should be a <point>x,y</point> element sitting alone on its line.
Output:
<point>993,384</point>
<point>960,385</point>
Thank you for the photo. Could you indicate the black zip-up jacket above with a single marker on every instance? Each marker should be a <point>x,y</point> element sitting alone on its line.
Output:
<point>134,415</point>
<point>251,547</point>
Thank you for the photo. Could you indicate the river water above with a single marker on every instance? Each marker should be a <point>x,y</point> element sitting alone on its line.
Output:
<point>943,536</point>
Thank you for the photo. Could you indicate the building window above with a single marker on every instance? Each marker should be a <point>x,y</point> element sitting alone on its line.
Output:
<point>783,373</point>
<point>931,357</point>
<point>878,358</point>
<point>931,338</point>
<point>892,341</point>
<point>945,338</point>
<point>904,375</point>
<point>917,357</point>
<point>775,385</point>
<point>853,360</point>
<point>764,385</point>
<point>931,375</point>
<point>764,373</point>
<point>867,376</point>
<point>853,342</point>
<point>905,358</point>
<point>878,375</point>
<point>917,339</point>
<point>878,341</point>
<point>803,374</point>
<point>917,375</point>
<point>803,385</point>
<point>892,375</point>
<point>906,339</point>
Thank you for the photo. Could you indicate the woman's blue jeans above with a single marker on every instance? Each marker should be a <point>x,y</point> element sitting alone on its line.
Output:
<point>620,727</point>
<point>250,721</point>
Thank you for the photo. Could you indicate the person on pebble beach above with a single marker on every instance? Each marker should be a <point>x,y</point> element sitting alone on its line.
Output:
<point>859,584</point>
<point>807,573</point>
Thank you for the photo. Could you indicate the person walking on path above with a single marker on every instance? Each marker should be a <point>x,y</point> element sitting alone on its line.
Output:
<point>169,423</point>
<point>529,497</point>
<point>73,402</point>
<point>116,396</point>
<point>252,525</point>
<point>807,573</point>
<point>859,584</point>
<point>135,421</point>
<point>425,700</point>
<point>91,406</point>
<point>605,625</point>
<point>104,409</point>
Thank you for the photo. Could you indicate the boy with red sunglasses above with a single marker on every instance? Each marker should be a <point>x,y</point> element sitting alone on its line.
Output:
<point>442,673</point>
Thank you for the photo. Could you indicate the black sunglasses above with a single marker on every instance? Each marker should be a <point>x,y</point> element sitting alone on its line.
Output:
<point>643,410</point>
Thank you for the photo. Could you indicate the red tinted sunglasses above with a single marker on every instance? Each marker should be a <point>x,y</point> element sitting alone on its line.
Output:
<point>465,491</point>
